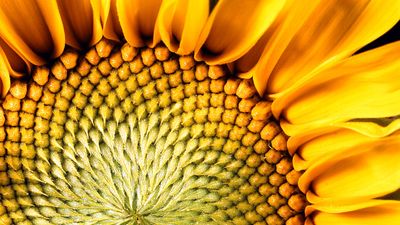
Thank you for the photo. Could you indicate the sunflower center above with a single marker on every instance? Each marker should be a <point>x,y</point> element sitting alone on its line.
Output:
<point>142,136</point>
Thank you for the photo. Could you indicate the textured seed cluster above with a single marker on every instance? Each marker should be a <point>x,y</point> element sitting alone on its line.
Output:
<point>123,135</point>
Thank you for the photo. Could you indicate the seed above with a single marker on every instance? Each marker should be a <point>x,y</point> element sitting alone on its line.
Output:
<point>104,48</point>
<point>246,105</point>
<point>59,71</point>
<point>297,202</point>
<point>254,160</point>
<point>116,60</point>
<point>286,190</point>
<point>186,62</point>
<point>170,66</point>
<point>245,89</point>
<point>231,102</point>
<point>216,72</point>
<point>292,177</point>
<point>69,59</point>
<point>279,142</point>
<point>136,65</point>
<point>92,57</point>
<point>270,131</point>
<point>18,89</point>
<point>41,75</point>
<point>84,68</point>
<point>261,111</point>
<point>273,156</point>
<point>128,52</point>
<point>104,67</point>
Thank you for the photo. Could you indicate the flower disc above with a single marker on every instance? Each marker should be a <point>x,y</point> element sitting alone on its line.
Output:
<point>142,136</point>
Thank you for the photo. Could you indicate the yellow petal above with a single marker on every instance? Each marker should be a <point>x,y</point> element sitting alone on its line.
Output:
<point>234,27</point>
<point>323,143</point>
<point>33,29</point>
<point>111,28</point>
<point>260,61</point>
<point>363,86</point>
<point>138,19</point>
<point>330,32</point>
<point>180,22</point>
<point>346,206</point>
<point>372,129</point>
<point>16,66</point>
<point>81,19</point>
<point>335,30</point>
<point>4,75</point>
<point>358,173</point>
<point>295,142</point>
<point>388,213</point>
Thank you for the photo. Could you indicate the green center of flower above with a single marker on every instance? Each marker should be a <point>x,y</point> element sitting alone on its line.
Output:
<point>142,136</point>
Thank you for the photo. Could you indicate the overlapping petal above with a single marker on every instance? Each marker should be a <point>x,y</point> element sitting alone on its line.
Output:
<point>16,65</point>
<point>138,19</point>
<point>180,22</point>
<point>32,29</point>
<point>363,86</point>
<point>372,128</point>
<point>234,27</point>
<point>315,35</point>
<point>362,169</point>
<point>323,143</point>
<point>111,26</point>
<point>259,62</point>
<point>81,20</point>
<point>4,75</point>
<point>373,213</point>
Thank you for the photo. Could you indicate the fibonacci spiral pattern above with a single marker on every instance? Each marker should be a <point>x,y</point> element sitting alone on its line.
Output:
<point>142,136</point>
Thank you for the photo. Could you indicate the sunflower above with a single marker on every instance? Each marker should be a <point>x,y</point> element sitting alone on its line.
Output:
<point>199,112</point>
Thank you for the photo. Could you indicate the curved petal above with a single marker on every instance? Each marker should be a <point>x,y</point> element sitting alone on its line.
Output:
<point>358,173</point>
<point>4,75</point>
<point>295,142</point>
<point>325,33</point>
<point>372,129</point>
<point>16,66</point>
<point>82,23</point>
<point>111,27</point>
<point>347,206</point>
<point>363,86</point>
<point>33,29</point>
<point>384,213</point>
<point>314,146</point>
<point>234,27</point>
<point>260,61</point>
<point>180,22</point>
<point>138,19</point>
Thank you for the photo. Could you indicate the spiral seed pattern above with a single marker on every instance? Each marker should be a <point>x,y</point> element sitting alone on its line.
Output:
<point>123,135</point>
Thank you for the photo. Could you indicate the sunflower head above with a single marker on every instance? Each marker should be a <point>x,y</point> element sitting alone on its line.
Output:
<point>198,112</point>
<point>142,135</point>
